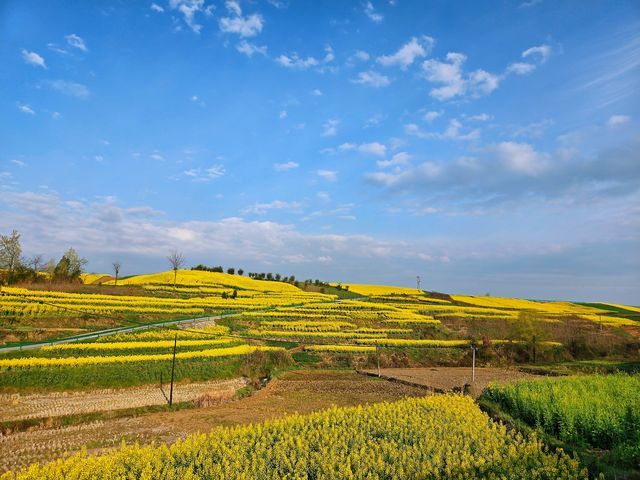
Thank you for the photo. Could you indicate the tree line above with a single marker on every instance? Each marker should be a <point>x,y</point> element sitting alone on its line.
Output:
<point>14,268</point>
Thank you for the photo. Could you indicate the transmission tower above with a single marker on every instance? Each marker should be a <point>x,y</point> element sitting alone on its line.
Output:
<point>418,280</point>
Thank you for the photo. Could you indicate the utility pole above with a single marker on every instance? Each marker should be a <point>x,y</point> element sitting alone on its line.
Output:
<point>378,355</point>
<point>473,364</point>
<point>173,367</point>
<point>418,280</point>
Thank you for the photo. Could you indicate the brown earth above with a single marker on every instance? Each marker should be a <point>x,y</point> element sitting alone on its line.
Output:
<point>299,391</point>
<point>21,407</point>
<point>443,379</point>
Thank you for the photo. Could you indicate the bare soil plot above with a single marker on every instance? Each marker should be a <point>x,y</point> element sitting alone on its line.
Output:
<point>443,379</point>
<point>300,391</point>
<point>21,407</point>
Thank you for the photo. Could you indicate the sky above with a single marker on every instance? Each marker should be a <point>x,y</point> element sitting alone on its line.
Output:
<point>488,147</point>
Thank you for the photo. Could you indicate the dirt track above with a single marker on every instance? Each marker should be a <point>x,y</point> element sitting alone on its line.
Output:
<point>443,379</point>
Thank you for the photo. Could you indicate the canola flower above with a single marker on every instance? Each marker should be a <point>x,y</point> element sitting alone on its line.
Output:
<point>374,290</point>
<point>137,345</point>
<point>103,359</point>
<point>439,437</point>
<point>294,334</point>
<point>340,348</point>
<point>401,342</point>
<point>600,410</point>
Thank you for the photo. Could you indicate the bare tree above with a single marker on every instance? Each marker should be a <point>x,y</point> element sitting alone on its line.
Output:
<point>176,259</point>
<point>116,269</point>
<point>36,262</point>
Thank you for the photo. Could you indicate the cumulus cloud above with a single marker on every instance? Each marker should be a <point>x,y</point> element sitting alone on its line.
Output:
<point>263,208</point>
<point>540,53</point>
<point>32,58</point>
<point>371,13</point>
<point>330,127</point>
<point>408,53</point>
<point>245,26</point>
<point>156,8</point>
<point>373,148</point>
<point>75,41</point>
<point>455,82</point>
<point>203,175</point>
<point>286,166</point>
<point>399,159</point>
<point>520,68</point>
<point>371,78</point>
<point>431,116</point>
<point>249,49</point>
<point>189,9</point>
<point>71,89</point>
<point>618,120</point>
<point>454,131</point>
<point>328,175</point>
<point>24,108</point>
<point>362,55</point>
<point>295,62</point>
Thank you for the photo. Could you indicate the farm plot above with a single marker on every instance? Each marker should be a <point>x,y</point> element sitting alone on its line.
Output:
<point>601,411</point>
<point>432,437</point>
<point>21,407</point>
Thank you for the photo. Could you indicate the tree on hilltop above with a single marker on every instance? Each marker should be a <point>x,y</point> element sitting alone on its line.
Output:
<point>176,259</point>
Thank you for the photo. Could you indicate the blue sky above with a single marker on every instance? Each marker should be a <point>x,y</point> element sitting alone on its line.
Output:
<point>490,147</point>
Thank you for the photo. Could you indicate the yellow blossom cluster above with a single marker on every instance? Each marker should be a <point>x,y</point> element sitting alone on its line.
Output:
<point>438,437</point>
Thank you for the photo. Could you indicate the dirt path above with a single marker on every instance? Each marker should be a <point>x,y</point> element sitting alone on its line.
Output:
<point>301,392</point>
<point>443,379</point>
<point>21,407</point>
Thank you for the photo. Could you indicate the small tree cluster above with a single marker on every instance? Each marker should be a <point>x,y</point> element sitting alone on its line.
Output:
<point>218,269</point>
<point>15,268</point>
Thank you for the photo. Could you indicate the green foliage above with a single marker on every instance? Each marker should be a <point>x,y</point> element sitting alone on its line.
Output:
<point>592,410</point>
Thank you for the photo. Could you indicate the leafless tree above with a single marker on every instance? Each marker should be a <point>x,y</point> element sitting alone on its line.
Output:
<point>176,259</point>
<point>116,270</point>
<point>36,263</point>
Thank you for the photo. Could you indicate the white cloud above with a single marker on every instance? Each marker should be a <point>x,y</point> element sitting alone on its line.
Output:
<point>362,55</point>
<point>455,81</point>
<point>481,117</point>
<point>206,174</point>
<point>408,53</point>
<point>618,120</point>
<point>249,49</point>
<point>286,166</point>
<point>233,7</point>
<point>520,68</point>
<point>72,89</point>
<point>316,92</point>
<point>530,3</point>
<point>370,12</point>
<point>431,116</point>
<point>372,79</point>
<point>76,42</point>
<point>55,115</point>
<point>520,158</point>
<point>24,108</point>
<point>540,53</point>
<point>262,208</point>
<point>156,156</point>
<point>534,130</point>
<point>374,148</point>
<point>189,8</point>
<point>374,120</point>
<point>156,8</point>
<point>198,101</point>
<point>245,26</point>
<point>328,175</point>
<point>295,62</point>
<point>19,163</point>
<point>99,158</point>
<point>330,127</point>
<point>452,132</point>
<point>400,158</point>
<point>282,115</point>
<point>32,58</point>
<point>329,55</point>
